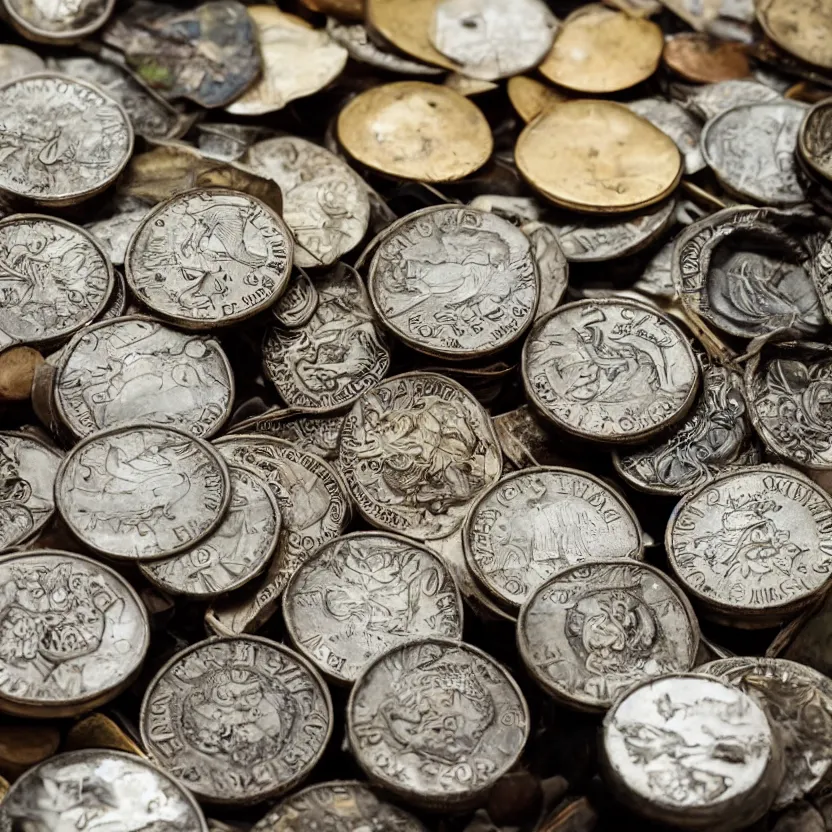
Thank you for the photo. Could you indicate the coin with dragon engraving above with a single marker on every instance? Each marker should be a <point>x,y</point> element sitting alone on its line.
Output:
<point>594,630</point>
<point>105,788</point>
<point>319,434</point>
<point>209,257</point>
<point>539,521</point>
<point>15,62</point>
<point>364,593</point>
<point>143,492</point>
<point>63,140</point>
<point>753,545</point>
<point>436,722</point>
<point>239,720</point>
<point>609,370</point>
<point>73,634</point>
<point>677,123</point>
<point>709,100</point>
<point>691,751</point>
<point>815,139</point>
<point>57,21</point>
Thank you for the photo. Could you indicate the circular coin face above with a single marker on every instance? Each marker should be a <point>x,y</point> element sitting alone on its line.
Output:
<point>562,631</point>
<point>239,720</point>
<point>63,140</point>
<point>415,452</point>
<point>566,370</point>
<point>209,257</point>
<point>800,27</point>
<point>364,593</point>
<point>436,722</point>
<point>49,22</point>
<point>73,634</point>
<point>455,282</point>
<point>141,493</point>
<point>815,139</point>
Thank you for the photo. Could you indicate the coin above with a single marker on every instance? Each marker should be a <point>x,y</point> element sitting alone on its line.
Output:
<point>539,521</point>
<point>209,257</point>
<point>113,234</point>
<point>312,432</point>
<point>802,28</point>
<point>73,634</point>
<point>17,61</point>
<point>141,493</point>
<point>109,788</point>
<point>564,361</point>
<point>710,100</point>
<point>593,155</point>
<point>436,722</point>
<point>815,139</point>
<point>656,280</point>
<point>552,265</point>
<point>239,720</point>
<point>229,142</point>
<point>296,306</point>
<point>415,130</point>
<point>675,122</point>
<point>752,546</point>
<point>415,451</point>
<point>454,282</point>
<point>530,98</point>
<point>59,23</point>
<point>691,750</point>
<point>560,631</point>
<point>704,59</point>
<point>135,370</point>
<point>351,9</point>
<point>63,140</point>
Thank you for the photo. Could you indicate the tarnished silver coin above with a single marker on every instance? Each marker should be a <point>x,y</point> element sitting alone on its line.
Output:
<point>57,21</point>
<point>298,303</point>
<point>17,61</point>
<point>691,751</point>
<point>454,281</point>
<point>312,432</point>
<point>592,631</point>
<point>539,521</point>
<point>814,141</point>
<point>143,492</point>
<point>364,593</point>
<point>237,551</point>
<point>62,140</point>
<point>415,452</point>
<point>610,370</point>
<point>73,634</point>
<point>552,265</point>
<point>239,720</point>
<point>113,234</point>
<point>209,257</point>
<point>754,545</point>
<point>678,124</point>
<point>656,281</point>
<point>709,100</point>
<point>436,722</point>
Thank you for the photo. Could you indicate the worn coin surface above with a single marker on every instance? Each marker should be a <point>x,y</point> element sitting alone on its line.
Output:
<point>552,265</point>
<point>319,434</point>
<point>17,61</point>
<point>436,722</point>
<point>704,59</point>
<point>209,257</point>
<point>140,493</point>
<point>709,100</point>
<point>73,634</point>
<point>678,124</point>
<point>530,97</point>
<point>656,281</point>
<point>296,306</point>
<point>362,594</point>
<point>815,139</point>
<point>57,21</point>
<point>113,233</point>
<point>802,27</point>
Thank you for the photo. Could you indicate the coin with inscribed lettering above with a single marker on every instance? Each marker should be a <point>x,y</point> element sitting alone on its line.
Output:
<point>142,492</point>
<point>73,634</point>
<point>312,432</point>
<point>436,722</point>
<point>46,21</point>
<point>297,304</point>
<point>209,257</point>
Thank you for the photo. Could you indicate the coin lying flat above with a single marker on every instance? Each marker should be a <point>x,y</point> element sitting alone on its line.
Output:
<point>802,28</point>
<point>427,711</point>
<point>530,98</point>
<point>17,61</point>
<point>710,100</point>
<point>61,23</point>
<point>315,433</point>
<point>815,139</point>
<point>704,59</point>
<point>113,233</point>
<point>73,634</point>
<point>678,124</point>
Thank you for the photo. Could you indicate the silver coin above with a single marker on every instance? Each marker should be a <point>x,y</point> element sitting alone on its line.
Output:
<point>73,634</point>
<point>63,140</point>
<point>415,452</point>
<point>362,594</point>
<point>676,123</point>
<point>108,789</point>
<point>229,142</point>
<point>693,751</point>
<point>237,551</point>
<point>454,282</point>
<point>815,139</point>
<point>609,370</point>
<point>58,22</point>
<point>594,630</point>
<point>552,265</point>
<point>436,722</point>
<point>656,280</point>
<point>538,521</point>
<point>143,492</point>
<point>298,303</point>
<point>116,304</point>
<point>710,100</point>
<point>135,370</point>
<point>209,257</point>
<point>17,61</point>
<point>114,233</point>
<point>752,545</point>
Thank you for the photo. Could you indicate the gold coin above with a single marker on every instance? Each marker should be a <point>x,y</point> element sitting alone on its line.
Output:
<point>350,9</point>
<point>414,130</point>
<point>704,59</point>
<point>530,98</point>
<point>598,50</point>
<point>593,155</point>
<point>468,86</point>
<point>801,27</point>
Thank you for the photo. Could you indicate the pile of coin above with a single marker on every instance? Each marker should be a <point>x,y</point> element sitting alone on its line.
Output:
<point>415,415</point>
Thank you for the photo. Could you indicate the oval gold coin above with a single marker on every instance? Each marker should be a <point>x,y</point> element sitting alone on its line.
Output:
<point>415,130</point>
<point>347,9</point>
<point>592,155</point>
<point>703,59</point>
<point>530,98</point>
<point>801,27</point>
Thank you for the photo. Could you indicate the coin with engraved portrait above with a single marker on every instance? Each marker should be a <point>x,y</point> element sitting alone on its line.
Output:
<point>677,123</point>
<point>539,521</point>
<point>103,789</point>
<point>73,634</point>
<point>692,751</point>
<point>239,720</point>
<point>57,21</point>
<point>609,370</point>
<point>142,492</point>
<point>436,722</point>
<point>364,593</point>
<point>209,257</point>
<point>319,434</point>
<point>709,100</point>
<point>594,630</point>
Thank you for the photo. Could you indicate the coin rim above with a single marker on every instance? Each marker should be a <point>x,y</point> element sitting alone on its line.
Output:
<point>803,153</point>
<point>64,38</point>
<point>761,11</point>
